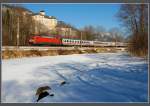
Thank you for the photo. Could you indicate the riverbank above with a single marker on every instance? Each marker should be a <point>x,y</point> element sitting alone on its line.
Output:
<point>9,54</point>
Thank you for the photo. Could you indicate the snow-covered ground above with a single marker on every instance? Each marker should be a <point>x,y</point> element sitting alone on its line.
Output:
<point>104,77</point>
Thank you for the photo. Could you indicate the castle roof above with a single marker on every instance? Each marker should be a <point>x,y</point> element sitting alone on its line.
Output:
<point>45,16</point>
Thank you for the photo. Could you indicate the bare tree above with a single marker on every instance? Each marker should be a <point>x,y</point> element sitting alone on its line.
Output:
<point>89,32</point>
<point>99,30</point>
<point>116,35</point>
<point>135,18</point>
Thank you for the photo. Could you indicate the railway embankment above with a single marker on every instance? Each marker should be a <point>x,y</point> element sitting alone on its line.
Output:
<point>16,53</point>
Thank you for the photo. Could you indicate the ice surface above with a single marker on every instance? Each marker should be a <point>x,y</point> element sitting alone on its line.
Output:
<point>104,77</point>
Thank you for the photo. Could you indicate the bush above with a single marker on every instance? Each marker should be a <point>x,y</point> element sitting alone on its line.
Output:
<point>139,44</point>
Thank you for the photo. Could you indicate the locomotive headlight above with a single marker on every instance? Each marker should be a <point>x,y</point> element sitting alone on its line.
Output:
<point>32,40</point>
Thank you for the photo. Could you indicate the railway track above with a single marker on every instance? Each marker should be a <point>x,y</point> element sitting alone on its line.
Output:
<point>47,48</point>
<point>39,48</point>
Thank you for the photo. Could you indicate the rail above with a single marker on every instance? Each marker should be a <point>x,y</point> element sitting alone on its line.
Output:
<point>48,48</point>
<point>39,48</point>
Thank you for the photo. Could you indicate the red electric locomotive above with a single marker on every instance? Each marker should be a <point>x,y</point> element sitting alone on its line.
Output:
<point>45,39</point>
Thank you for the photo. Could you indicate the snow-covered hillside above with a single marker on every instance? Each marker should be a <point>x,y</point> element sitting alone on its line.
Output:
<point>104,77</point>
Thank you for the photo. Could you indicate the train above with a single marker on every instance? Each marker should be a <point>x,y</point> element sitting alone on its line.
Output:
<point>58,40</point>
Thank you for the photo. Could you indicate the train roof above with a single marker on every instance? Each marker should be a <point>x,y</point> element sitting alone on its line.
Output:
<point>70,39</point>
<point>48,35</point>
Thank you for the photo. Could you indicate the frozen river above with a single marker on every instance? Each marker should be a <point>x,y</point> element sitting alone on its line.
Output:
<point>104,77</point>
